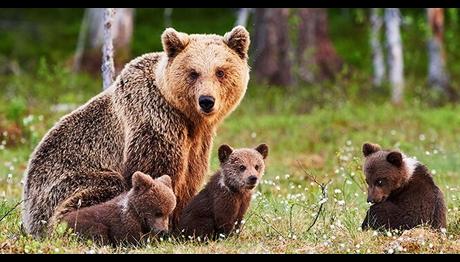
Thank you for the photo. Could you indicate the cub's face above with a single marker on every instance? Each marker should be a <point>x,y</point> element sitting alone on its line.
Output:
<point>153,200</point>
<point>242,169</point>
<point>384,171</point>
<point>206,75</point>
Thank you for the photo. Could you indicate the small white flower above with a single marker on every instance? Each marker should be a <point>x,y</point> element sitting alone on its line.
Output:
<point>341,202</point>
<point>391,251</point>
<point>337,191</point>
<point>253,135</point>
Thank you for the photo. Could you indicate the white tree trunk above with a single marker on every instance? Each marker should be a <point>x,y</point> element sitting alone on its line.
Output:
<point>395,55</point>
<point>122,26</point>
<point>243,15</point>
<point>377,54</point>
<point>437,75</point>
<point>108,68</point>
<point>167,17</point>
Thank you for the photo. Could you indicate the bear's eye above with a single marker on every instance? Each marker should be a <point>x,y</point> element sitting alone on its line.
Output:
<point>242,168</point>
<point>257,167</point>
<point>220,73</point>
<point>158,214</point>
<point>193,75</point>
<point>379,182</point>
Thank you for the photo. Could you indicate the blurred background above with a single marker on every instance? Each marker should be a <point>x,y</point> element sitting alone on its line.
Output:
<point>323,81</point>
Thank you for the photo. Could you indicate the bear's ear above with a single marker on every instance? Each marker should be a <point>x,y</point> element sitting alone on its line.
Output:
<point>173,42</point>
<point>165,179</point>
<point>369,148</point>
<point>141,181</point>
<point>263,150</point>
<point>224,153</point>
<point>238,40</point>
<point>395,158</point>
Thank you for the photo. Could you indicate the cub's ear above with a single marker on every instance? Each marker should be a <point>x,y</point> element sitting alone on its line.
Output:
<point>395,158</point>
<point>174,42</point>
<point>263,150</point>
<point>369,148</point>
<point>238,40</point>
<point>165,179</point>
<point>141,181</point>
<point>224,153</point>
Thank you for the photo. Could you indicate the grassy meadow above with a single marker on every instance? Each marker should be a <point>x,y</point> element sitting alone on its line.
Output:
<point>313,130</point>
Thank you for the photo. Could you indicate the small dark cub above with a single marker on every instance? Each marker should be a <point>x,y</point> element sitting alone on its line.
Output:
<point>402,190</point>
<point>221,205</point>
<point>142,211</point>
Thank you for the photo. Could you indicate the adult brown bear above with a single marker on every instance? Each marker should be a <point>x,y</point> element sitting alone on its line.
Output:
<point>158,117</point>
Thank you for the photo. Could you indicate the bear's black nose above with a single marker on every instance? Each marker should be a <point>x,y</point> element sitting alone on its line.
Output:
<point>252,180</point>
<point>206,103</point>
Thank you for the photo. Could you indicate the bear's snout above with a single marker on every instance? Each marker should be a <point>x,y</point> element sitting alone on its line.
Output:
<point>206,103</point>
<point>252,180</point>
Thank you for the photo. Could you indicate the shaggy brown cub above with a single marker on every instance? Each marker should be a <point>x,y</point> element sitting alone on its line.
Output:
<point>141,211</point>
<point>402,190</point>
<point>221,205</point>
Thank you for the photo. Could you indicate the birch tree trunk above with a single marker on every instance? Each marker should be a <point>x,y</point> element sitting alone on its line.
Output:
<point>167,17</point>
<point>108,68</point>
<point>437,75</point>
<point>377,53</point>
<point>91,38</point>
<point>395,55</point>
<point>242,17</point>
<point>272,62</point>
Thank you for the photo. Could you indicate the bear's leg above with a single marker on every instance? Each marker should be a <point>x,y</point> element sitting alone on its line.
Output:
<point>101,187</point>
<point>386,215</point>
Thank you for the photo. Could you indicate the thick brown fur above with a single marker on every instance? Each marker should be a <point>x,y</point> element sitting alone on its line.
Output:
<point>402,190</point>
<point>221,205</point>
<point>149,120</point>
<point>128,218</point>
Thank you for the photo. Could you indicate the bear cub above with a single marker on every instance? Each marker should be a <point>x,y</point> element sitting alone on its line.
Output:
<point>127,218</point>
<point>221,205</point>
<point>402,190</point>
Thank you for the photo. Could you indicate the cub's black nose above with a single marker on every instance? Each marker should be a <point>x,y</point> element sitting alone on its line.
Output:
<point>206,103</point>
<point>252,180</point>
<point>370,200</point>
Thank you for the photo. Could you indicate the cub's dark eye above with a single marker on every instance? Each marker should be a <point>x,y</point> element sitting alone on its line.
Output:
<point>158,214</point>
<point>257,167</point>
<point>220,73</point>
<point>193,75</point>
<point>379,182</point>
<point>242,168</point>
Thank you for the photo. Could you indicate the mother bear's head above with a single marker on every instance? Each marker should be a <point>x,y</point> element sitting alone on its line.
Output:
<point>204,75</point>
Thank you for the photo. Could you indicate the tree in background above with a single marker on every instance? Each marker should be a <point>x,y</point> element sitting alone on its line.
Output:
<point>108,68</point>
<point>395,55</point>
<point>88,54</point>
<point>316,55</point>
<point>437,75</point>
<point>271,48</point>
<point>243,16</point>
<point>377,53</point>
